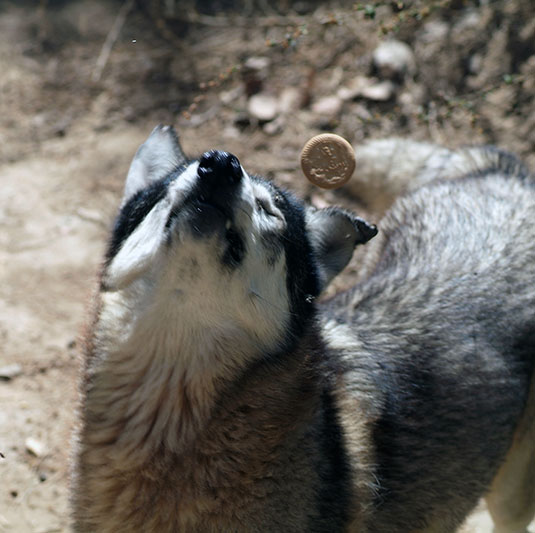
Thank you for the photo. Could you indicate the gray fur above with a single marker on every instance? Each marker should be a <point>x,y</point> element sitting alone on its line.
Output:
<point>446,311</point>
<point>391,408</point>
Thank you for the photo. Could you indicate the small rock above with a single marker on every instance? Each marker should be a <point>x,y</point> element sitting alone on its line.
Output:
<point>394,59</point>
<point>329,105</point>
<point>361,112</point>
<point>35,447</point>
<point>257,63</point>
<point>475,63</point>
<point>470,21</point>
<point>262,107</point>
<point>379,92</point>
<point>412,96</point>
<point>290,100</point>
<point>354,88</point>
<point>335,78</point>
<point>90,215</point>
<point>10,371</point>
<point>275,126</point>
<point>231,132</point>
<point>227,97</point>
<point>434,31</point>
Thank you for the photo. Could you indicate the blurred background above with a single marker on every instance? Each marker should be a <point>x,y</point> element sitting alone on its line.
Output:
<point>83,82</point>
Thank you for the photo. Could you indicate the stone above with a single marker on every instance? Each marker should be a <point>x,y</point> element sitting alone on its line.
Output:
<point>328,105</point>
<point>379,92</point>
<point>263,107</point>
<point>35,447</point>
<point>9,372</point>
<point>394,59</point>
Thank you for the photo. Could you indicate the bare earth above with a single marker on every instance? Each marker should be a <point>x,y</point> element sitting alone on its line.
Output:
<point>67,136</point>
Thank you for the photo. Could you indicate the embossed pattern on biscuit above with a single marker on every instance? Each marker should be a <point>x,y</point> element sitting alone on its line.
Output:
<point>328,160</point>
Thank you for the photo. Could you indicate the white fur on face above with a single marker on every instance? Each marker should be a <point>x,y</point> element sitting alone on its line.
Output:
<point>175,320</point>
<point>175,286</point>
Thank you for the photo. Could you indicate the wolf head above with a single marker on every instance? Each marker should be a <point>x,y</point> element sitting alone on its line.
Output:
<point>203,247</point>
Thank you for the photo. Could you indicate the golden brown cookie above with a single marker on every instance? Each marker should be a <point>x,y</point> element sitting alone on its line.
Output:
<point>328,160</point>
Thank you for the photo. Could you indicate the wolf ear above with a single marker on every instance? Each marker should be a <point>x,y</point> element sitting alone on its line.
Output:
<point>154,159</point>
<point>334,233</point>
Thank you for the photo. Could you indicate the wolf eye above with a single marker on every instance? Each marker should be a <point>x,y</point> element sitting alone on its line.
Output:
<point>260,204</point>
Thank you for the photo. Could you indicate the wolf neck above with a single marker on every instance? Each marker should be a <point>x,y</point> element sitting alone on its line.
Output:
<point>149,387</point>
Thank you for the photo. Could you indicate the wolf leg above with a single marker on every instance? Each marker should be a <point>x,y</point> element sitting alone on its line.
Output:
<point>511,501</point>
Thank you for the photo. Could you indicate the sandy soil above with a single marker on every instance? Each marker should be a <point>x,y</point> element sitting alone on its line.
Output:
<point>68,131</point>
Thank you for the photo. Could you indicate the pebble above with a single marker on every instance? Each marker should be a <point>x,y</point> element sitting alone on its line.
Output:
<point>257,63</point>
<point>9,372</point>
<point>369,88</point>
<point>290,100</point>
<point>328,105</point>
<point>35,447</point>
<point>90,215</point>
<point>262,107</point>
<point>275,126</point>
<point>379,92</point>
<point>394,59</point>
<point>354,88</point>
<point>227,97</point>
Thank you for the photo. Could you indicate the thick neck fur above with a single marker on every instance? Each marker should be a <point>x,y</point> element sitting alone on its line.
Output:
<point>153,380</point>
<point>150,382</point>
<point>186,419</point>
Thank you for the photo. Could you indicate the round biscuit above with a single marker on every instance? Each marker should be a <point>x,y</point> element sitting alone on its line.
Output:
<point>328,160</point>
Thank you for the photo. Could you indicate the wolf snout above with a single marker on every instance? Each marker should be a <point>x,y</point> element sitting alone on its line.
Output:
<point>219,169</point>
<point>216,191</point>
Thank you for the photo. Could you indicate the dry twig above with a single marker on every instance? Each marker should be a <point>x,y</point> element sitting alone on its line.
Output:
<point>111,38</point>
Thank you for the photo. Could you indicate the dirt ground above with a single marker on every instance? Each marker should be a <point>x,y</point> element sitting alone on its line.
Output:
<point>83,83</point>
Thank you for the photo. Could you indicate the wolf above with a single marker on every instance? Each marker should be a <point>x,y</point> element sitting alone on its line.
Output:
<point>220,393</point>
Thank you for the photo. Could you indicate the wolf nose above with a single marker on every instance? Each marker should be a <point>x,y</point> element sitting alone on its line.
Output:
<point>220,168</point>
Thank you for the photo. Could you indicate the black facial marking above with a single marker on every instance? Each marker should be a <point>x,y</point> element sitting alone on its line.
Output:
<point>271,241</point>
<point>135,210</point>
<point>235,250</point>
<point>302,278</point>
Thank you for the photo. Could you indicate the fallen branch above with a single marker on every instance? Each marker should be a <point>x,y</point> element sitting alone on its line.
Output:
<point>111,38</point>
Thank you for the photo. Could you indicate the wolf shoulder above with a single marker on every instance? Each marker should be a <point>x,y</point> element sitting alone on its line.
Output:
<point>458,250</point>
<point>480,224</point>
